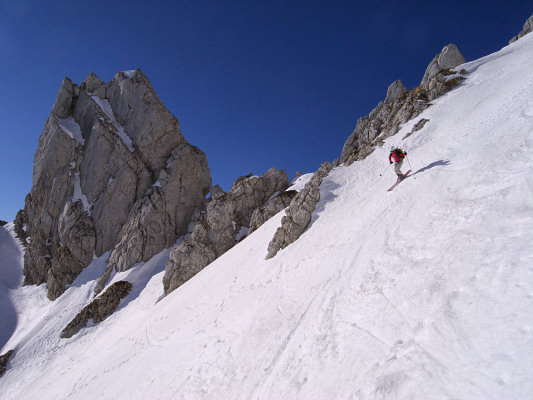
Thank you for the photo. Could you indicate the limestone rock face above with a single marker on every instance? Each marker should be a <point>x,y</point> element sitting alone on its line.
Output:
<point>435,78</point>
<point>299,213</point>
<point>274,206</point>
<point>99,309</point>
<point>401,105</point>
<point>161,216</point>
<point>75,231</point>
<point>63,105</point>
<point>252,192</point>
<point>220,224</point>
<point>528,28</point>
<point>191,257</point>
<point>112,171</point>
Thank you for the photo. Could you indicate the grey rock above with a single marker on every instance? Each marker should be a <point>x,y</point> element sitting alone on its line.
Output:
<point>191,257</point>
<point>76,232</point>
<point>299,214</point>
<point>221,227</point>
<point>252,191</point>
<point>395,90</point>
<point>273,206</point>
<point>217,192</point>
<point>216,228</point>
<point>528,28</point>
<point>435,77</point>
<point>99,309</point>
<point>112,171</point>
<point>64,268</point>
<point>418,126</point>
<point>154,130</point>
<point>52,188</point>
<point>64,100</point>
<point>4,359</point>
<point>20,227</point>
<point>101,92</point>
<point>92,82</point>
<point>160,217</point>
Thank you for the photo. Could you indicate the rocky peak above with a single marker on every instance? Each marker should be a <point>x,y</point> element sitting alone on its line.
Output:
<point>112,171</point>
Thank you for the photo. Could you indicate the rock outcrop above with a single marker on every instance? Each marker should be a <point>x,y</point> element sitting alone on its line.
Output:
<point>401,105</point>
<point>274,206</point>
<point>436,79</point>
<point>225,219</point>
<point>4,359</point>
<point>99,309</point>
<point>299,213</point>
<point>528,28</point>
<point>112,171</point>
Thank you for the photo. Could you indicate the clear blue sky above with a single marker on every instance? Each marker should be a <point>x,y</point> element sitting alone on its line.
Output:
<point>254,84</point>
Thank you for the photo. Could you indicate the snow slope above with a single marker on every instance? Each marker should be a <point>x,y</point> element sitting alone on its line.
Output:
<point>424,292</point>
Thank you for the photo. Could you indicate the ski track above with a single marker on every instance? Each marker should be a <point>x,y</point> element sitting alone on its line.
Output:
<point>423,292</point>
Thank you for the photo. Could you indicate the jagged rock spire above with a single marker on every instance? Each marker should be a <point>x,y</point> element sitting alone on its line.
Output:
<point>112,171</point>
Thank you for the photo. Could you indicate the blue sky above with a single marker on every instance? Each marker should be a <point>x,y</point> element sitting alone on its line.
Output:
<point>254,84</point>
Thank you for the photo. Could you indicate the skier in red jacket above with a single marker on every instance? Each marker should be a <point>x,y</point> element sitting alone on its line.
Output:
<point>397,155</point>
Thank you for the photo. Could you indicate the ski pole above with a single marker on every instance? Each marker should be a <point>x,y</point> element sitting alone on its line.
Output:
<point>385,169</point>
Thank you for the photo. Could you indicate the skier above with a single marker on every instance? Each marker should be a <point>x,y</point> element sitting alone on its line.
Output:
<point>397,155</point>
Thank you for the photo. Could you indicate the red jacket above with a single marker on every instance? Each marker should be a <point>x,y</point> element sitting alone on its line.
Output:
<point>397,155</point>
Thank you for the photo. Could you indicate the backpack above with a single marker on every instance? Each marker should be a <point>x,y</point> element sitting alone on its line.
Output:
<point>398,152</point>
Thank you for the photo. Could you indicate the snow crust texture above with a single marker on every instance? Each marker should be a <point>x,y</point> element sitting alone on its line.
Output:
<point>425,292</point>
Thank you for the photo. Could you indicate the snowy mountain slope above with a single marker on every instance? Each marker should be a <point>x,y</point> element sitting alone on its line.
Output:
<point>425,292</point>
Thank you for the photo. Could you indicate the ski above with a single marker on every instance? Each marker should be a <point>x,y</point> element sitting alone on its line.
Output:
<point>399,180</point>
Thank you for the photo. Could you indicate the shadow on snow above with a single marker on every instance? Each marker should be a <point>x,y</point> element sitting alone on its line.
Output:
<point>440,163</point>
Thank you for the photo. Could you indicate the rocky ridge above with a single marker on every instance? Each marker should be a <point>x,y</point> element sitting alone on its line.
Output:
<point>401,105</point>
<point>225,219</point>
